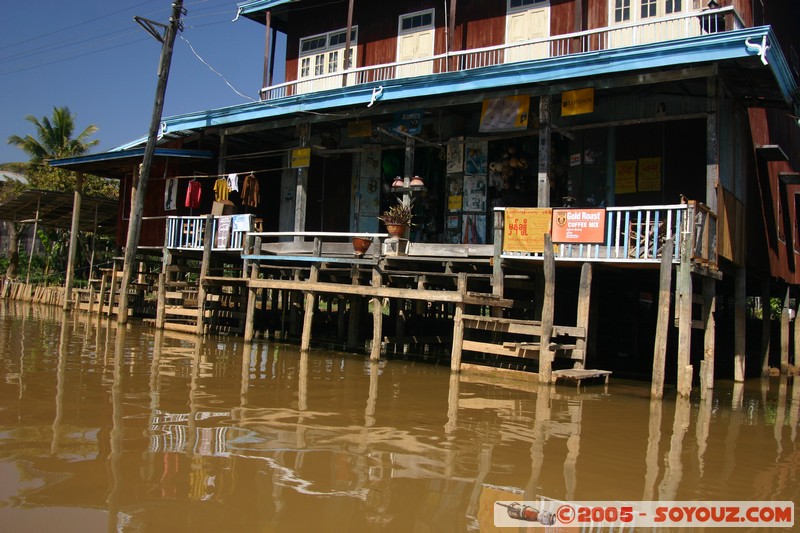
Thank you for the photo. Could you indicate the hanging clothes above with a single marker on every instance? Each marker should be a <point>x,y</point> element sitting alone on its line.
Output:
<point>233,182</point>
<point>193,193</point>
<point>251,195</point>
<point>221,190</point>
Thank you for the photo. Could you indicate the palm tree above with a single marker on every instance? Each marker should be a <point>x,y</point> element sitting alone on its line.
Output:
<point>54,138</point>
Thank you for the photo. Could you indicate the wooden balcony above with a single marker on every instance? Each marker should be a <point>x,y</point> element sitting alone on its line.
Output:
<point>682,26</point>
<point>633,235</point>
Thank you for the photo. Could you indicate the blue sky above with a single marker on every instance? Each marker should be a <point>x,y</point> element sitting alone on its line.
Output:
<point>91,56</point>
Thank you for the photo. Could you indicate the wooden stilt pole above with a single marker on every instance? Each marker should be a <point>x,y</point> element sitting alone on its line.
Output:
<point>548,310</point>
<point>355,311</point>
<point>163,278</point>
<point>458,325</point>
<point>796,357</point>
<point>684,311</point>
<point>740,324</point>
<point>252,294</point>
<point>784,333</point>
<point>766,328</point>
<point>584,303</point>
<point>377,318</point>
<point>103,288</point>
<point>112,290</point>
<point>201,285</point>
<point>709,345</point>
<point>662,322</point>
<point>310,300</point>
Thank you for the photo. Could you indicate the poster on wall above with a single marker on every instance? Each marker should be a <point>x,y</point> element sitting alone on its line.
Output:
<point>476,157</point>
<point>452,234</point>
<point>171,194</point>
<point>650,174</point>
<point>223,231</point>
<point>473,229</point>
<point>455,155</point>
<point>475,193</point>
<point>625,179</point>
<point>509,113</point>
<point>525,228</point>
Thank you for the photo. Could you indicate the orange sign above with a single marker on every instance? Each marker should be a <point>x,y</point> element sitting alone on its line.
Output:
<point>524,229</point>
<point>586,226</point>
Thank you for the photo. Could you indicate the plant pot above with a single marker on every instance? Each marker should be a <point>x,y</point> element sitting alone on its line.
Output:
<point>361,245</point>
<point>399,231</point>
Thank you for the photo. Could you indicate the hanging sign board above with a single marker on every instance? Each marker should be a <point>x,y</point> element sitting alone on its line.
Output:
<point>301,157</point>
<point>650,174</point>
<point>359,128</point>
<point>409,121</point>
<point>625,179</point>
<point>524,229</point>
<point>577,102</point>
<point>223,231</point>
<point>508,113</point>
<point>582,226</point>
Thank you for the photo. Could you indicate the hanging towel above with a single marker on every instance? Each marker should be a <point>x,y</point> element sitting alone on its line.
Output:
<point>221,190</point>
<point>193,193</point>
<point>233,182</point>
<point>251,195</point>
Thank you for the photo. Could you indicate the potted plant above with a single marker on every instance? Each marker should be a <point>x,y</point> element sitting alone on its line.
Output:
<point>397,219</point>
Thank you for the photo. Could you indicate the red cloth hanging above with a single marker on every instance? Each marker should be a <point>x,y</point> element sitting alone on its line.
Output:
<point>193,193</point>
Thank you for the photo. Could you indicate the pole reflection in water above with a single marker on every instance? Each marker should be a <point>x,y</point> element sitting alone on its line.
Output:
<point>104,427</point>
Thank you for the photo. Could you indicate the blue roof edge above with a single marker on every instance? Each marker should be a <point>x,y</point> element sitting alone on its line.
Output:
<point>136,152</point>
<point>694,50</point>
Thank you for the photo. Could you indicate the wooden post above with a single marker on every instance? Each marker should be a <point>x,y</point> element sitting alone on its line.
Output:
<point>163,278</point>
<point>103,287</point>
<point>73,241</point>
<point>497,265</point>
<point>544,152</point>
<point>267,56</point>
<point>137,203</point>
<point>458,325</point>
<point>584,302</point>
<point>252,293</point>
<point>201,287</point>
<point>684,309</point>
<point>112,290</point>
<point>355,311</point>
<point>739,324</point>
<point>301,188</point>
<point>548,310</point>
<point>662,322</point>
<point>796,357</point>
<point>766,327</point>
<point>377,317</point>
<point>310,299</point>
<point>784,334</point>
<point>709,345</point>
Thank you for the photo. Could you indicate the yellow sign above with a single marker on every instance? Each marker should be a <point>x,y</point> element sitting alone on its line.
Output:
<point>508,113</point>
<point>524,229</point>
<point>577,102</point>
<point>625,179</point>
<point>650,174</point>
<point>454,202</point>
<point>359,128</point>
<point>301,157</point>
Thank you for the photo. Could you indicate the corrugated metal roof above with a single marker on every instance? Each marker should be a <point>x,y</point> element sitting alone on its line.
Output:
<point>120,161</point>
<point>254,6</point>
<point>55,210</point>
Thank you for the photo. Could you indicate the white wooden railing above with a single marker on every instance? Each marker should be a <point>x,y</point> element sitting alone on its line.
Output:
<point>668,28</point>
<point>187,232</point>
<point>638,234</point>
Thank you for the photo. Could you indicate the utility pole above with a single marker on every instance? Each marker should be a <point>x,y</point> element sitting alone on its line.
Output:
<point>135,223</point>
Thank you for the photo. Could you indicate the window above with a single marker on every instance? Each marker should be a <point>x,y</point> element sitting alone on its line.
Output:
<point>622,10</point>
<point>635,10</point>
<point>326,52</point>
<point>418,20</point>
<point>514,4</point>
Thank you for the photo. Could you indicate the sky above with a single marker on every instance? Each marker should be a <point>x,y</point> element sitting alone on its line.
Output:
<point>92,57</point>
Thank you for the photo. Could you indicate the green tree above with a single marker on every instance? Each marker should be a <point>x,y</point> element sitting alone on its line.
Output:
<point>56,139</point>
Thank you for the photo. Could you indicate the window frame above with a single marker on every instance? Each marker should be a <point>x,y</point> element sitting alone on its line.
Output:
<point>634,8</point>
<point>318,59</point>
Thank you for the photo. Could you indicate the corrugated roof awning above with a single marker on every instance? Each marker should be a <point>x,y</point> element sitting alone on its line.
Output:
<point>55,210</point>
<point>117,163</point>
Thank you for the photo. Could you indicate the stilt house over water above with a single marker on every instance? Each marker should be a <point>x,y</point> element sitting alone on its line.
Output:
<point>552,152</point>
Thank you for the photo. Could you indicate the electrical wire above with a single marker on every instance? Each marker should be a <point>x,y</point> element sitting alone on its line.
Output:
<point>213,70</point>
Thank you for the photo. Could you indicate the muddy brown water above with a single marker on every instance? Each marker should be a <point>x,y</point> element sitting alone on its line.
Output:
<point>109,428</point>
